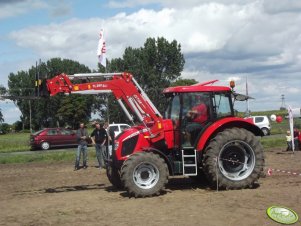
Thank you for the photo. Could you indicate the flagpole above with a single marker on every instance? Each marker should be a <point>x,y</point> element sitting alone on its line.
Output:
<point>101,52</point>
<point>291,124</point>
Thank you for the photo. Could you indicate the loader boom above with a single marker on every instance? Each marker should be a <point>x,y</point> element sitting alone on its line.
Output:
<point>125,89</point>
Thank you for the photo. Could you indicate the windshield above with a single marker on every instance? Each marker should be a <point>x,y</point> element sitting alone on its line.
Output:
<point>222,105</point>
<point>173,108</point>
<point>36,133</point>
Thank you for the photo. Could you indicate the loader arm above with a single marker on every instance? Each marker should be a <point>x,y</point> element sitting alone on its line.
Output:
<point>125,89</point>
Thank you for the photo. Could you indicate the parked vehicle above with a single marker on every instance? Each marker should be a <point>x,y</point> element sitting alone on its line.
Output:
<point>118,128</point>
<point>53,137</point>
<point>263,123</point>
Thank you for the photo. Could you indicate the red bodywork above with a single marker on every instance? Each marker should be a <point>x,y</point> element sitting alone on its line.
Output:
<point>154,132</point>
<point>54,136</point>
<point>123,87</point>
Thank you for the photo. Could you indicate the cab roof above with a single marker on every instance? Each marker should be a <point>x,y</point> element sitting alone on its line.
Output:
<point>200,87</point>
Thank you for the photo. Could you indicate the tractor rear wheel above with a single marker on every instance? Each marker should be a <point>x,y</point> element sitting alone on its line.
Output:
<point>113,175</point>
<point>144,174</point>
<point>234,159</point>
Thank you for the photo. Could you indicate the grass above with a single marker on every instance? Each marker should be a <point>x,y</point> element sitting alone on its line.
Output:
<point>14,142</point>
<point>278,141</point>
<point>47,157</point>
<point>17,142</point>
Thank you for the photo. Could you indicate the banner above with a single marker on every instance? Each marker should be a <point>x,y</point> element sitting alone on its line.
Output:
<point>291,123</point>
<point>101,49</point>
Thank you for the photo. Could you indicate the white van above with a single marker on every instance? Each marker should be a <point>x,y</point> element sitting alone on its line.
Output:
<point>118,128</point>
<point>263,123</point>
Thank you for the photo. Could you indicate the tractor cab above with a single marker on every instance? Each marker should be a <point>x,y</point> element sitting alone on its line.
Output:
<point>193,108</point>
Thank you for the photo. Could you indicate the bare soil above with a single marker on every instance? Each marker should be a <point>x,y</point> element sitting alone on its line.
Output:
<point>54,194</point>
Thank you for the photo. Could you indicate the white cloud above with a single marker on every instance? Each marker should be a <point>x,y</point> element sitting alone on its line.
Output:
<point>10,112</point>
<point>202,29</point>
<point>170,3</point>
<point>220,40</point>
<point>15,8</point>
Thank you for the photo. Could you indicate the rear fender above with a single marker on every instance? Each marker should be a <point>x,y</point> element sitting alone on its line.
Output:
<point>223,124</point>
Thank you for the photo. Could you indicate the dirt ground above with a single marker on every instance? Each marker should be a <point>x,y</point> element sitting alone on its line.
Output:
<point>54,194</point>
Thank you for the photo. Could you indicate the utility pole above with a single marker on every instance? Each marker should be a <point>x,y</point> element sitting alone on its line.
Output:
<point>282,102</point>
<point>247,94</point>
<point>30,127</point>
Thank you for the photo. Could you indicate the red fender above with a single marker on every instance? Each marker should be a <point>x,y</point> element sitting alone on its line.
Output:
<point>227,123</point>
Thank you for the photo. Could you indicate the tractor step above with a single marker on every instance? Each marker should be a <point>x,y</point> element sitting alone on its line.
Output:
<point>189,162</point>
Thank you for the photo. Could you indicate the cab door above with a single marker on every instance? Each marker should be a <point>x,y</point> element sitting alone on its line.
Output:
<point>195,115</point>
<point>173,112</point>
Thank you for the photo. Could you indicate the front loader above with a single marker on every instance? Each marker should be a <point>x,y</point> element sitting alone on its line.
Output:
<point>224,148</point>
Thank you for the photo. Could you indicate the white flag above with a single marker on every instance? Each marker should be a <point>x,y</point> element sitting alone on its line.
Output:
<point>101,49</point>
<point>291,123</point>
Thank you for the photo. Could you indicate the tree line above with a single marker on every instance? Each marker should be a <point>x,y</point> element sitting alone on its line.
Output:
<point>156,65</point>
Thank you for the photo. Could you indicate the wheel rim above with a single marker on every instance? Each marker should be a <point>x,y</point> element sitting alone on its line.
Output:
<point>265,131</point>
<point>45,145</point>
<point>146,175</point>
<point>236,160</point>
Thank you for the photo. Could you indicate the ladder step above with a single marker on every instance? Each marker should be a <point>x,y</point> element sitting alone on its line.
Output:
<point>188,155</point>
<point>189,162</point>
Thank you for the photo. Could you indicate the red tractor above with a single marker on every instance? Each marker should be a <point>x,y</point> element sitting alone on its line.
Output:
<point>213,142</point>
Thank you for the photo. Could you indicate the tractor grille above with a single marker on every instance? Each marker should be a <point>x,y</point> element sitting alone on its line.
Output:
<point>128,146</point>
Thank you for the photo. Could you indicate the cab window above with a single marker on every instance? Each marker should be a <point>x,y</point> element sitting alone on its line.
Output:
<point>222,105</point>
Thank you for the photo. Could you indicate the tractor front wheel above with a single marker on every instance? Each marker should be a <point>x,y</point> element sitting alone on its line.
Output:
<point>144,174</point>
<point>113,175</point>
<point>234,159</point>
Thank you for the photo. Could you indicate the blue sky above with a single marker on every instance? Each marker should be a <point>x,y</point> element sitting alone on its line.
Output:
<point>221,39</point>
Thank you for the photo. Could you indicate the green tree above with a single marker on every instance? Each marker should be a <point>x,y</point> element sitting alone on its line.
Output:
<point>184,82</point>
<point>2,92</point>
<point>75,109</point>
<point>50,111</point>
<point>4,127</point>
<point>154,66</point>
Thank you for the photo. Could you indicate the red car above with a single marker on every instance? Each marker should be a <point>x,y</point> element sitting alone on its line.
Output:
<point>53,137</point>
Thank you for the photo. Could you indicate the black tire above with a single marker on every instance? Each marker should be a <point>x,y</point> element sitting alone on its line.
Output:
<point>45,145</point>
<point>265,131</point>
<point>144,174</point>
<point>234,158</point>
<point>113,175</point>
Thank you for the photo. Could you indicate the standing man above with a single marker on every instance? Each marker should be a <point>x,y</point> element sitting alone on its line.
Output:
<point>110,140</point>
<point>99,137</point>
<point>82,136</point>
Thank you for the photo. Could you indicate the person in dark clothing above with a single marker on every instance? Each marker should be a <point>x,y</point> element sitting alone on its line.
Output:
<point>110,140</point>
<point>99,137</point>
<point>82,136</point>
<point>296,139</point>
